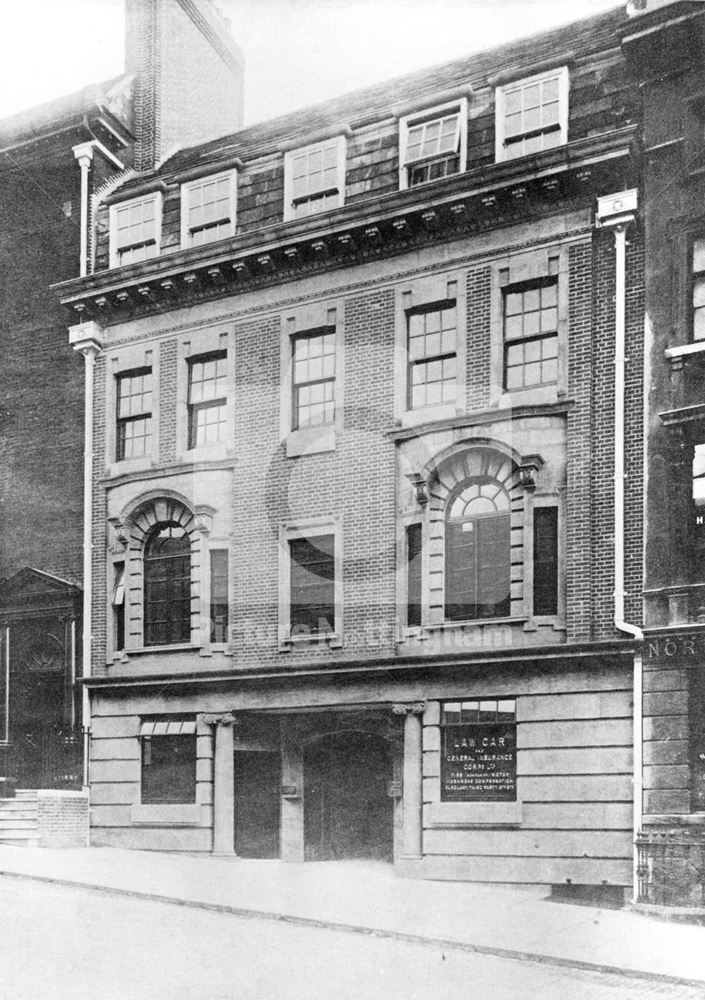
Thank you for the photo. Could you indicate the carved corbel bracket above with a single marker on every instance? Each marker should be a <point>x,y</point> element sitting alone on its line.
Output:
<point>120,530</point>
<point>420,487</point>
<point>412,708</point>
<point>219,719</point>
<point>528,471</point>
<point>203,516</point>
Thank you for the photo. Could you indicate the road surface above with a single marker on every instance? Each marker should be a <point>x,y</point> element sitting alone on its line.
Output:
<point>63,943</point>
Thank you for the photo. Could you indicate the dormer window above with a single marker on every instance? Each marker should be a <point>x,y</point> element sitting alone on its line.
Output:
<point>532,114</point>
<point>432,144</point>
<point>135,230</point>
<point>314,178</point>
<point>208,209</point>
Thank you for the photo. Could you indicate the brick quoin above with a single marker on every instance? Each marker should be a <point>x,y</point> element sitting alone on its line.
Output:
<point>479,340</point>
<point>579,577</point>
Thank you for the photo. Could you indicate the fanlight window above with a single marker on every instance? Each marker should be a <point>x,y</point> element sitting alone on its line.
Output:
<point>167,586</point>
<point>478,552</point>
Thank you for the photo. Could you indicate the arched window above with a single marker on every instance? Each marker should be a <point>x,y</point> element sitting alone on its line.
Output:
<point>167,586</point>
<point>478,551</point>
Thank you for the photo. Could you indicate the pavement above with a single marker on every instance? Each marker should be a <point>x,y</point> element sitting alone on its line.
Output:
<point>367,897</point>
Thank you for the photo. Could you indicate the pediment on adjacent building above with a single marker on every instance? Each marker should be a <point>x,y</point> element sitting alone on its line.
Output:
<point>31,590</point>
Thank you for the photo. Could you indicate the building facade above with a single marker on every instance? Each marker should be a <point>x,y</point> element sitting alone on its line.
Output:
<point>364,483</point>
<point>665,51</point>
<point>55,160</point>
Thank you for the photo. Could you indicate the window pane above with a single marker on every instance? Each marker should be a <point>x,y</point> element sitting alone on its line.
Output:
<point>167,586</point>
<point>314,174</point>
<point>414,575</point>
<point>169,769</point>
<point>432,349</point>
<point>219,595</point>
<point>699,324</point>
<point>134,404</point>
<point>207,378</point>
<point>135,223</point>
<point>312,581</point>
<point>699,255</point>
<point>451,712</point>
<point>546,561</point>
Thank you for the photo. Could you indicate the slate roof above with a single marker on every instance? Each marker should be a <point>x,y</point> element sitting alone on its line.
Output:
<point>34,122</point>
<point>376,103</point>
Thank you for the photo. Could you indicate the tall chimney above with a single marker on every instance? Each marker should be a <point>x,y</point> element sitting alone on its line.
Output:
<point>188,75</point>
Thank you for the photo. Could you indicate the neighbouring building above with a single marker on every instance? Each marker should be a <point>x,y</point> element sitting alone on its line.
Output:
<point>365,482</point>
<point>665,51</point>
<point>182,84</point>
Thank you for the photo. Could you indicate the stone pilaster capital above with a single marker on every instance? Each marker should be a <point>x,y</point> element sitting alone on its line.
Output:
<point>412,708</point>
<point>219,719</point>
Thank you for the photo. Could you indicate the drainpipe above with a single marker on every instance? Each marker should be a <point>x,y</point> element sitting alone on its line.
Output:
<point>616,212</point>
<point>87,339</point>
<point>84,154</point>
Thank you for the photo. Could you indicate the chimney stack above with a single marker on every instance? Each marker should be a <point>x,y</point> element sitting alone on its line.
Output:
<point>188,75</point>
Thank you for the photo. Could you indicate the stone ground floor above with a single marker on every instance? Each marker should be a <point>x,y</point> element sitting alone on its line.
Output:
<point>510,769</point>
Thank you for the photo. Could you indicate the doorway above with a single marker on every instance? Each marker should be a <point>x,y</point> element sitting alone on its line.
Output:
<point>257,791</point>
<point>347,810</point>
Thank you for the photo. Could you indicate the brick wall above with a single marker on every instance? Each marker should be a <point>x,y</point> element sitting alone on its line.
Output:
<point>478,338</point>
<point>41,398</point>
<point>100,524</point>
<point>354,483</point>
<point>578,455</point>
<point>62,819</point>
<point>167,401</point>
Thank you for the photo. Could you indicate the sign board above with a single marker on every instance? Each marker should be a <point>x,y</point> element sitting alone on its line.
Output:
<point>682,648</point>
<point>479,763</point>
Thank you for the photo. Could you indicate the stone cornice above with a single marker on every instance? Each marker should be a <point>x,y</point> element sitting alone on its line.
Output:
<point>482,417</point>
<point>589,654</point>
<point>477,200</point>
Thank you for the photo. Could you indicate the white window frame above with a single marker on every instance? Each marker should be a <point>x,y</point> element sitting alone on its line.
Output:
<point>320,437</point>
<point>193,345</point>
<point>123,361</point>
<point>340,146</point>
<point>429,114</point>
<point>310,529</point>
<point>561,73</point>
<point>156,197</point>
<point>423,291</point>
<point>186,189</point>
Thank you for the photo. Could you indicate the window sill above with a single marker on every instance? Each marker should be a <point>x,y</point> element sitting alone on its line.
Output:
<point>311,441</point>
<point>119,467</point>
<point>683,352</point>
<point>332,639</point>
<point>463,814</point>
<point>205,453</point>
<point>428,414</point>
<point>166,814</point>
<point>184,647</point>
<point>474,623</point>
<point>526,395</point>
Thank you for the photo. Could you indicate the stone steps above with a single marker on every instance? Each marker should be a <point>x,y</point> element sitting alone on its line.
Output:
<point>19,826</point>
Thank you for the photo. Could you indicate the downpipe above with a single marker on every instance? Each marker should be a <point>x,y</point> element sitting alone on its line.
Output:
<point>616,212</point>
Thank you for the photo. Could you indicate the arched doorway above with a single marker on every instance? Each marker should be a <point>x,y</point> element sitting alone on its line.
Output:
<point>347,809</point>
